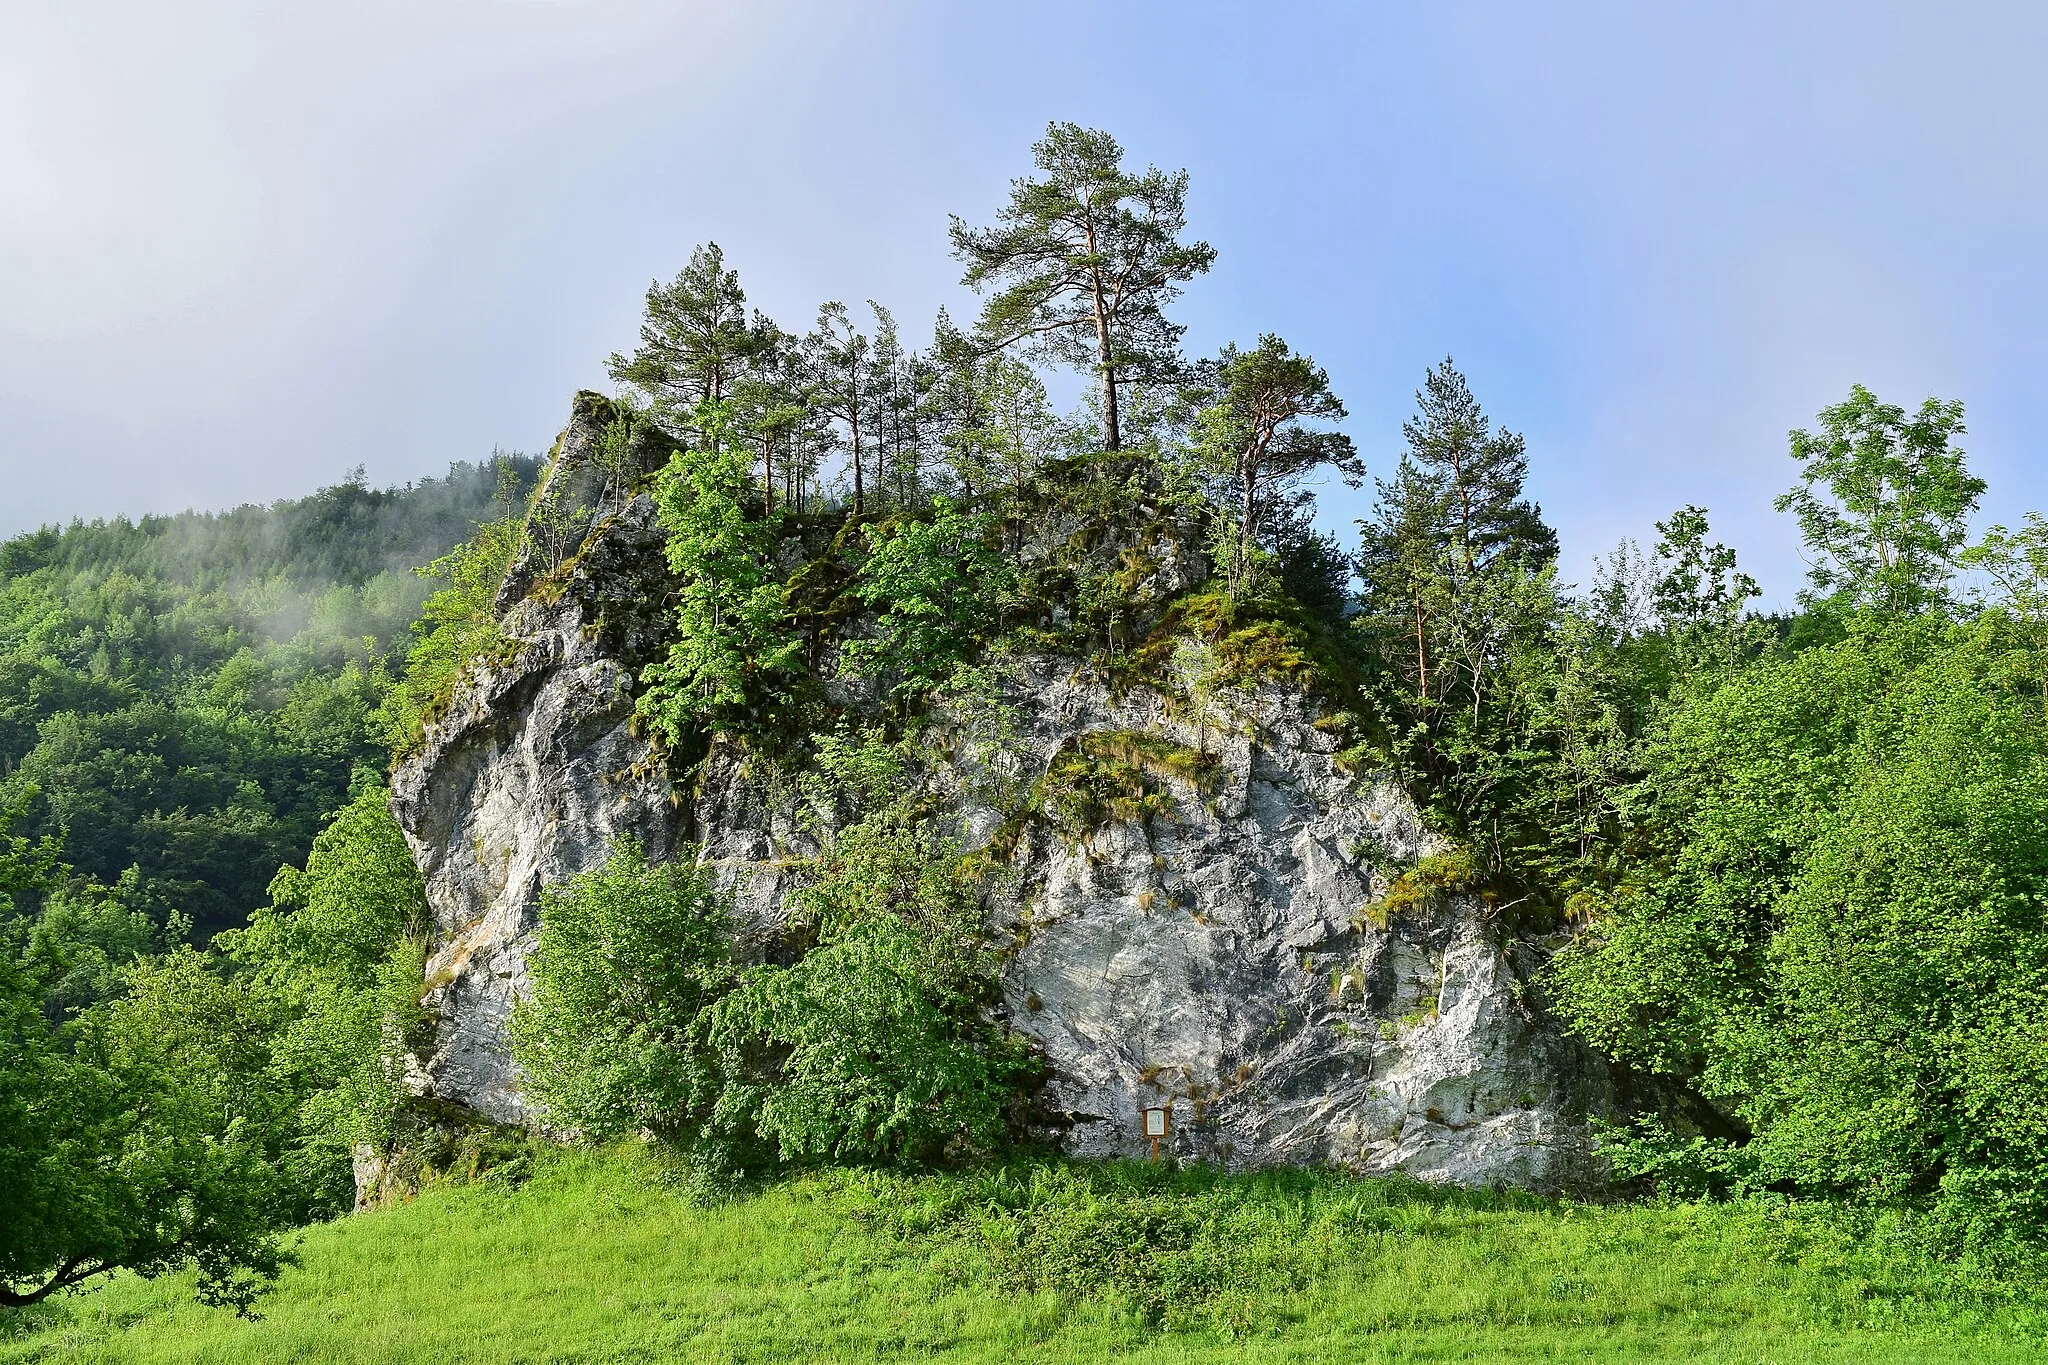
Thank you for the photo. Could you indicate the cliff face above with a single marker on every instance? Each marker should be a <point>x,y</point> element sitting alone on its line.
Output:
<point>1212,956</point>
<point>1217,959</point>
<point>523,782</point>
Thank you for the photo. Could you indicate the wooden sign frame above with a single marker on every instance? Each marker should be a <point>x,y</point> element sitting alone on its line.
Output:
<point>1156,1122</point>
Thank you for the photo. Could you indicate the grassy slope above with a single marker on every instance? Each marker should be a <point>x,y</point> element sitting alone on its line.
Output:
<point>597,1260</point>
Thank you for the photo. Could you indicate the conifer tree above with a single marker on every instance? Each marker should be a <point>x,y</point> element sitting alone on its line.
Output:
<point>987,414</point>
<point>769,403</point>
<point>695,339</point>
<point>839,370</point>
<point>954,415</point>
<point>1479,472</point>
<point>1255,434</point>
<point>1402,560</point>
<point>1083,261</point>
<point>1452,530</point>
<point>897,376</point>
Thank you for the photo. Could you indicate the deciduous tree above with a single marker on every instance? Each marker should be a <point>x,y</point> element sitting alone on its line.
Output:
<point>1699,592</point>
<point>730,626</point>
<point>1883,502</point>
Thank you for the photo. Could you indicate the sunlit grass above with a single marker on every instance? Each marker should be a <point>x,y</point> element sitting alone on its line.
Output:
<point>601,1257</point>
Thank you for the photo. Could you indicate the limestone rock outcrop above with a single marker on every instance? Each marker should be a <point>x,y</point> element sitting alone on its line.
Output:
<point>1212,957</point>
<point>1218,960</point>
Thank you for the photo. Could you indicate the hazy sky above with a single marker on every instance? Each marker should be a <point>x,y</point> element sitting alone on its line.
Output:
<point>244,247</point>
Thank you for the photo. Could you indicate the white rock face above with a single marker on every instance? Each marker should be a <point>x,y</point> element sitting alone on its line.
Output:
<point>1214,958</point>
<point>1218,961</point>
<point>522,784</point>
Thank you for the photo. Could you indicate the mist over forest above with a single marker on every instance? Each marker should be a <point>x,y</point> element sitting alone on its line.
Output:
<point>184,699</point>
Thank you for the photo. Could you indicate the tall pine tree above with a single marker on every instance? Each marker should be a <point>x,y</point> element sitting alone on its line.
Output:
<point>1262,433</point>
<point>1478,473</point>
<point>839,369</point>
<point>1453,516</point>
<point>1083,260</point>
<point>696,340</point>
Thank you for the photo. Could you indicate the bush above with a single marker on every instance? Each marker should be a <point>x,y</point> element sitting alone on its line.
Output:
<point>937,587</point>
<point>1846,950</point>
<point>629,958</point>
<point>338,958</point>
<point>882,1040</point>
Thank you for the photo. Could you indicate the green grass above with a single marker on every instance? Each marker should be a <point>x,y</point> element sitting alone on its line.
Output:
<point>603,1257</point>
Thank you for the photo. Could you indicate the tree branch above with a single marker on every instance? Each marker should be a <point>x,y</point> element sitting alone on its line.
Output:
<point>74,1271</point>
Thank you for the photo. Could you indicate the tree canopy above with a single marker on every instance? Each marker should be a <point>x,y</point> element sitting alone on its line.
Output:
<point>1083,261</point>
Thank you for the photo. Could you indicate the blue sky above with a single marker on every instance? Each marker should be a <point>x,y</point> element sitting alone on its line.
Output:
<point>244,247</point>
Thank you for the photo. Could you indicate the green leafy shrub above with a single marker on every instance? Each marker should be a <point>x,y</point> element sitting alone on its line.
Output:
<point>629,959</point>
<point>339,955</point>
<point>1847,952</point>
<point>937,585</point>
<point>881,1042</point>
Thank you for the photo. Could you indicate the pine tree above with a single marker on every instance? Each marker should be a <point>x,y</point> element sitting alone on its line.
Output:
<point>1451,522</point>
<point>1084,261</point>
<point>1479,472</point>
<point>772,409</point>
<point>1255,434</point>
<point>1403,562</point>
<point>839,369</point>
<point>955,417</point>
<point>696,340</point>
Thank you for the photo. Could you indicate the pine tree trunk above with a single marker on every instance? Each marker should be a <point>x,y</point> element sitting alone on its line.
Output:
<point>1112,433</point>
<point>854,423</point>
<point>1421,657</point>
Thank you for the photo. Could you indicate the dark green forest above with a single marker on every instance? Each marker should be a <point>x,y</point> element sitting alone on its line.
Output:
<point>184,699</point>
<point>1795,866</point>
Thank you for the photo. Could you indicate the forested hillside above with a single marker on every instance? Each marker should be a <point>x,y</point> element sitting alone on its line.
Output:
<point>183,699</point>
<point>1787,876</point>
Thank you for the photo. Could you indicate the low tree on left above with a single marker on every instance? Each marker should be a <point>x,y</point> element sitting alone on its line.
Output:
<point>183,1110</point>
<point>139,1134</point>
<point>630,955</point>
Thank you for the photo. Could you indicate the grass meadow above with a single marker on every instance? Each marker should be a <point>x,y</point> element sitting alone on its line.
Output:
<point>617,1256</point>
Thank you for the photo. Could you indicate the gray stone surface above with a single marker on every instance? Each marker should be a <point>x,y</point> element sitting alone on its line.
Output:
<point>1217,960</point>
<point>524,782</point>
<point>1214,959</point>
